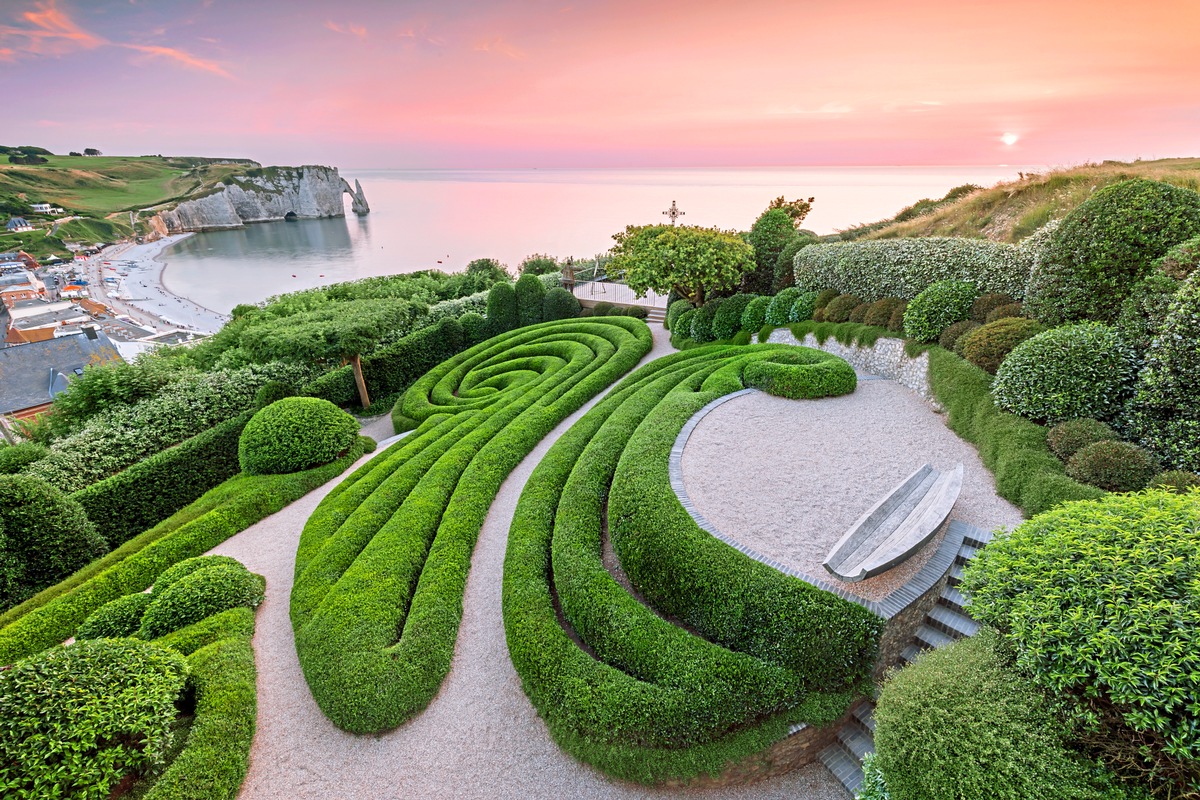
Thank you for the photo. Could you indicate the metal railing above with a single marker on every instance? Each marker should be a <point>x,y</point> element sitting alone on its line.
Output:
<point>618,293</point>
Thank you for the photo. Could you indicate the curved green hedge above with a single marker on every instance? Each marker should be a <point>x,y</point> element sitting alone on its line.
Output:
<point>644,699</point>
<point>382,562</point>
<point>802,374</point>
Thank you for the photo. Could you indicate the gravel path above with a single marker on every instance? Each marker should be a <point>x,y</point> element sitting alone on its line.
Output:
<point>808,469</point>
<point>480,738</point>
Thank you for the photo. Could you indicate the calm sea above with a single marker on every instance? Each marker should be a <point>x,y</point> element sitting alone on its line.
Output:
<point>446,218</point>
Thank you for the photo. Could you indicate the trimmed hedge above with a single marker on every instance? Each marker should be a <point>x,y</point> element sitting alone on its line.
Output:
<point>802,374</point>
<point>728,319</point>
<point>531,298</point>
<point>294,434</point>
<point>839,308</point>
<point>1114,466</point>
<point>986,304</point>
<point>201,594</point>
<point>187,567</point>
<point>1176,481</point>
<point>1083,370</point>
<point>1066,438</point>
<point>383,560</point>
<point>781,305</point>
<point>1122,659</point>
<point>904,268</point>
<point>674,311</point>
<point>1003,312</point>
<point>986,347</point>
<point>936,308</point>
<point>645,699</point>
<point>502,313</point>
<point>116,619</point>
<point>53,615</point>
<point>880,312</point>
<point>15,457</point>
<point>702,322</point>
<point>802,310</point>
<point>755,315</point>
<point>143,495</point>
<point>473,325</point>
<point>958,330</point>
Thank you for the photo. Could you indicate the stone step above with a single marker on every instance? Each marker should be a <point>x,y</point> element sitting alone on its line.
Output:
<point>838,760</point>
<point>910,653</point>
<point>956,574</point>
<point>950,622</point>
<point>864,715</point>
<point>928,636</point>
<point>953,599</point>
<point>859,744</point>
<point>965,553</point>
<point>656,315</point>
<point>977,537</point>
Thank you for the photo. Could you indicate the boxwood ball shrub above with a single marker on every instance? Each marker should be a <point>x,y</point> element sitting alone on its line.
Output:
<point>896,323</point>
<point>839,308</point>
<point>295,434</point>
<point>952,334</point>
<point>271,391</point>
<point>859,313</point>
<point>781,306</point>
<point>1113,466</point>
<point>44,537</point>
<point>880,312</point>
<point>755,315</point>
<point>1083,370</point>
<point>115,619</point>
<point>937,308</point>
<point>1127,566</point>
<point>702,323</point>
<point>1067,438</point>
<point>683,324</point>
<point>989,345</point>
<point>79,719</point>
<point>962,722</point>
<point>558,304</point>
<point>198,595</point>
<point>802,310</point>
<point>14,457</point>
<point>1105,246</point>
<point>825,296</point>
<point>987,303</point>
<point>1176,480</point>
<point>1002,312</point>
<point>728,319</point>
<point>674,311</point>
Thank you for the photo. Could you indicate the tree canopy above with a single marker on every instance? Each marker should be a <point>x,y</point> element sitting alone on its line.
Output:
<point>796,209</point>
<point>768,236</point>
<point>693,261</point>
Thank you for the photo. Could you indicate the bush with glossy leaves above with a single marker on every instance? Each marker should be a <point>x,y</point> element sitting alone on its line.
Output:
<point>294,434</point>
<point>936,308</point>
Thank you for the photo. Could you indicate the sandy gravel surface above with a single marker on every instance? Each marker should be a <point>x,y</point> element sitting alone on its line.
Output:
<point>480,738</point>
<point>805,470</point>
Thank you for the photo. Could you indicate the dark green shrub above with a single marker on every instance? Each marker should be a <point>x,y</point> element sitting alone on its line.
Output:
<point>785,275</point>
<point>880,312</point>
<point>839,308</point>
<point>802,310</point>
<point>683,325</point>
<point>603,309</point>
<point>1165,412</point>
<point>295,434</point>
<point>637,312</point>
<point>1003,312</point>
<point>937,308</point>
<point>1113,466</point>
<point>14,457</point>
<point>531,296</point>
<point>801,375</point>
<point>198,595</point>
<point>271,391</point>
<point>1099,600</point>
<point>987,303</point>
<point>961,722</point>
<point>674,311</point>
<point>988,346</point>
<point>473,324</point>
<point>951,334</point>
<point>769,235</point>
<point>143,495</point>
<point>1074,371</point>
<point>826,296</point>
<point>78,719</point>
<point>44,536</point>
<point>1181,260</point>
<point>115,619</point>
<point>1105,246</point>
<point>728,319</point>
<point>961,339</point>
<point>755,315</point>
<point>1066,438</point>
<point>859,313</point>
<point>781,306</point>
<point>702,323</point>
<point>186,567</point>
<point>1175,480</point>
<point>559,304</point>
<point>502,313</point>
<point>1145,310</point>
<point>896,323</point>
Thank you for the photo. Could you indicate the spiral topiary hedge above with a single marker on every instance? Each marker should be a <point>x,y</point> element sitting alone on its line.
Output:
<point>803,374</point>
<point>200,594</point>
<point>294,434</point>
<point>383,560</point>
<point>644,699</point>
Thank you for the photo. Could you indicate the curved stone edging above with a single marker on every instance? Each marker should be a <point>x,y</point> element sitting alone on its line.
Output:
<point>902,598</point>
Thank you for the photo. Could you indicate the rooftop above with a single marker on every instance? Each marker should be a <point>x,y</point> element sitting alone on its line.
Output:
<point>28,371</point>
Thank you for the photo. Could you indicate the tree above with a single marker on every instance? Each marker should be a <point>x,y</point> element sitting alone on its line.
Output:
<point>74,153</point>
<point>91,151</point>
<point>691,260</point>
<point>796,209</point>
<point>768,236</point>
<point>538,264</point>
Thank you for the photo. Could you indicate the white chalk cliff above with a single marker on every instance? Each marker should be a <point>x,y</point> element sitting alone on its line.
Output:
<point>263,195</point>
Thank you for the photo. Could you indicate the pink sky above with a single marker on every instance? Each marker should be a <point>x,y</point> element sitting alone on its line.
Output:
<point>451,83</point>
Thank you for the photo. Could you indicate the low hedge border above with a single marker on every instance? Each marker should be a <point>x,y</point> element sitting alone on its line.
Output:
<point>802,375</point>
<point>136,499</point>
<point>647,700</point>
<point>52,615</point>
<point>388,551</point>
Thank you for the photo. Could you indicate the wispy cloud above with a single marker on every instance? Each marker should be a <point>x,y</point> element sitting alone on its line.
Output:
<point>49,31</point>
<point>349,28</point>
<point>499,46</point>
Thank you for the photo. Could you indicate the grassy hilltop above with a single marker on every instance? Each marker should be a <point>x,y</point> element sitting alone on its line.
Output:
<point>1008,212</point>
